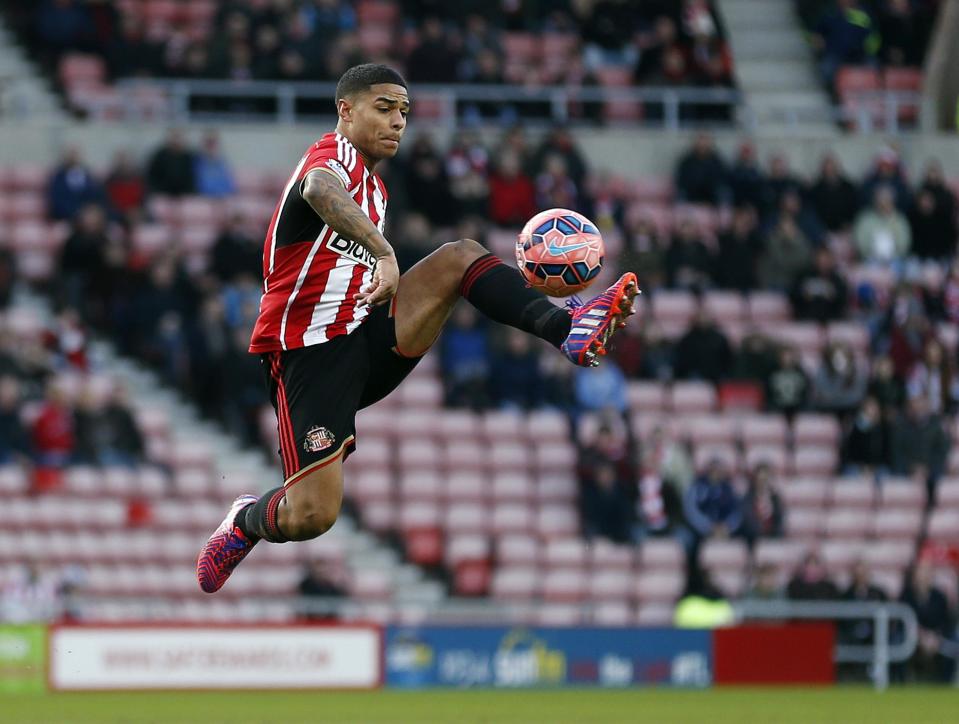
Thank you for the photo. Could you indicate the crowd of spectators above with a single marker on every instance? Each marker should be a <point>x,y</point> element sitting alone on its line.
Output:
<point>661,43</point>
<point>777,231</point>
<point>890,33</point>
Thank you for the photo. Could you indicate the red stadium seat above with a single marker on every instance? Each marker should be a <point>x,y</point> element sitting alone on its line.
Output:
<point>424,545</point>
<point>472,578</point>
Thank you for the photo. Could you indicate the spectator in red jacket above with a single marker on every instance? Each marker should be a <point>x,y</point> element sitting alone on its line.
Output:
<point>53,433</point>
<point>512,195</point>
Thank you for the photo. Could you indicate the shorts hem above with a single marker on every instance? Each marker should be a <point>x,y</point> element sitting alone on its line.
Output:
<point>343,450</point>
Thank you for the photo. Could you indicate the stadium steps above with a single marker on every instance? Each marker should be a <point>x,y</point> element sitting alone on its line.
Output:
<point>363,551</point>
<point>775,69</point>
<point>23,89</point>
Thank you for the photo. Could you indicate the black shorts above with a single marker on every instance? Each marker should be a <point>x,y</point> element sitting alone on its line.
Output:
<point>317,390</point>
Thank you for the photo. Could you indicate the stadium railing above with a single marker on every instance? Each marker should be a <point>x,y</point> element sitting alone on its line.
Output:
<point>671,108</point>
<point>675,107</point>
<point>881,653</point>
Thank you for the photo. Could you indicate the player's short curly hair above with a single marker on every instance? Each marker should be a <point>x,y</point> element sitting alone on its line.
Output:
<point>360,77</point>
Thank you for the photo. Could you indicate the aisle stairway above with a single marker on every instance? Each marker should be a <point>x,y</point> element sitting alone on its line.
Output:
<point>23,90</point>
<point>775,68</point>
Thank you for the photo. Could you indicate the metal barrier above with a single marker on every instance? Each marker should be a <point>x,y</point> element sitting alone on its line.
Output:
<point>671,108</point>
<point>880,654</point>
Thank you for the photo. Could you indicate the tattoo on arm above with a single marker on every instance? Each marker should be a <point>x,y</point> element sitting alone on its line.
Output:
<point>324,192</point>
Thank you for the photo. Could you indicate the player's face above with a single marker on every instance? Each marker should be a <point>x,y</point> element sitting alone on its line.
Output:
<point>378,120</point>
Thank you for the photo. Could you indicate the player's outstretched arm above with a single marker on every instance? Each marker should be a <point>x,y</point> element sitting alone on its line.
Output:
<point>324,192</point>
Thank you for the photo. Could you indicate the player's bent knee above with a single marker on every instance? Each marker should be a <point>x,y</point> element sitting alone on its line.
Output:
<point>311,521</point>
<point>463,252</point>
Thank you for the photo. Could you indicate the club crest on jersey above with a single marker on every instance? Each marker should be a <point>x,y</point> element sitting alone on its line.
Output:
<point>350,249</point>
<point>318,439</point>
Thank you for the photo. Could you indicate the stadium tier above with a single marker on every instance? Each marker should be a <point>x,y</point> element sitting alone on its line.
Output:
<point>775,425</point>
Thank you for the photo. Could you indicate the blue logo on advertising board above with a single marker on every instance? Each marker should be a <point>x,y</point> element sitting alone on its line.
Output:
<point>503,657</point>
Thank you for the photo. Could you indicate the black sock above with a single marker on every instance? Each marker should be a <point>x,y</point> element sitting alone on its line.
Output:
<point>259,520</point>
<point>500,292</point>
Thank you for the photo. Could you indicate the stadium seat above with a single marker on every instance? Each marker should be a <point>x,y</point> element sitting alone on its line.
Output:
<point>646,396</point>
<point>725,307</point>
<point>503,426</point>
<point>609,586</point>
<point>466,487</point>
<point>902,494</point>
<point>555,458</point>
<point>943,525</point>
<point>421,486</point>
<point>606,556</point>
<point>557,521</point>
<point>462,548</point>
<point>768,307</point>
<point>811,429</point>
<point>692,397</point>
<point>515,583</point>
<point>804,525</point>
<point>852,493</point>
<point>512,487</point>
<point>723,555</point>
<point>465,455</point>
<point>661,554</point>
<point>897,524</point>
<point>659,586</point>
<point>776,456</point>
<point>840,555</point>
<point>815,460</point>
<point>472,578</point>
<point>556,489</point>
<point>707,429</point>
<point>848,523</point>
<point>673,306</point>
<point>805,492</point>
<point>768,429</point>
<point>564,585</point>
<point>566,553</point>
<point>612,613</point>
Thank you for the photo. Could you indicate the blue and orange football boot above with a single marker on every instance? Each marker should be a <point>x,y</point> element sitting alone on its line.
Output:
<point>224,550</point>
<point>595,322</point>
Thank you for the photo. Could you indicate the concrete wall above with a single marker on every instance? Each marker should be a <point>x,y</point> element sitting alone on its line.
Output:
<point>623,151</point>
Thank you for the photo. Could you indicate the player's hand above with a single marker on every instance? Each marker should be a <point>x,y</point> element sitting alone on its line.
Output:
<point>386,278</point>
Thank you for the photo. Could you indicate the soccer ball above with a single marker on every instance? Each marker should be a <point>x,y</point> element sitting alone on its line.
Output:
<point>559,252</point>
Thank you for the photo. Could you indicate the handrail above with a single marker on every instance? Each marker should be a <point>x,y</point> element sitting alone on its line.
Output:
<point>881,653</point>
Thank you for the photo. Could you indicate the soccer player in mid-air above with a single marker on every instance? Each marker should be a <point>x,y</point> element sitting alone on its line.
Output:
<point>339,328</point>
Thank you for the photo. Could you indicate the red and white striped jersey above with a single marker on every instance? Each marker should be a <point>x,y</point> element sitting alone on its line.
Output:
<point>310,273</point>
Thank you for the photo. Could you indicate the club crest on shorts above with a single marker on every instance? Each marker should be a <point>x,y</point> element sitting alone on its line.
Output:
<point>318,439</point>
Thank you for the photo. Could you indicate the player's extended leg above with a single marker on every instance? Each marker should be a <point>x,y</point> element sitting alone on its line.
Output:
<point>427,293</point>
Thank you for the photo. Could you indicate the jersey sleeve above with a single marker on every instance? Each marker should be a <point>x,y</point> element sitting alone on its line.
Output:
<point>337,157</point>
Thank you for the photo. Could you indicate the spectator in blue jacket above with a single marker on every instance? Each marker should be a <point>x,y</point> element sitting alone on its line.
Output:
<point>212,173</point>
<point>711,506</point>
<point>71,187</point>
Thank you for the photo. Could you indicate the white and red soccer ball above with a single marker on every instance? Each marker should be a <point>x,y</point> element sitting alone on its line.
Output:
<point>559,252</point>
